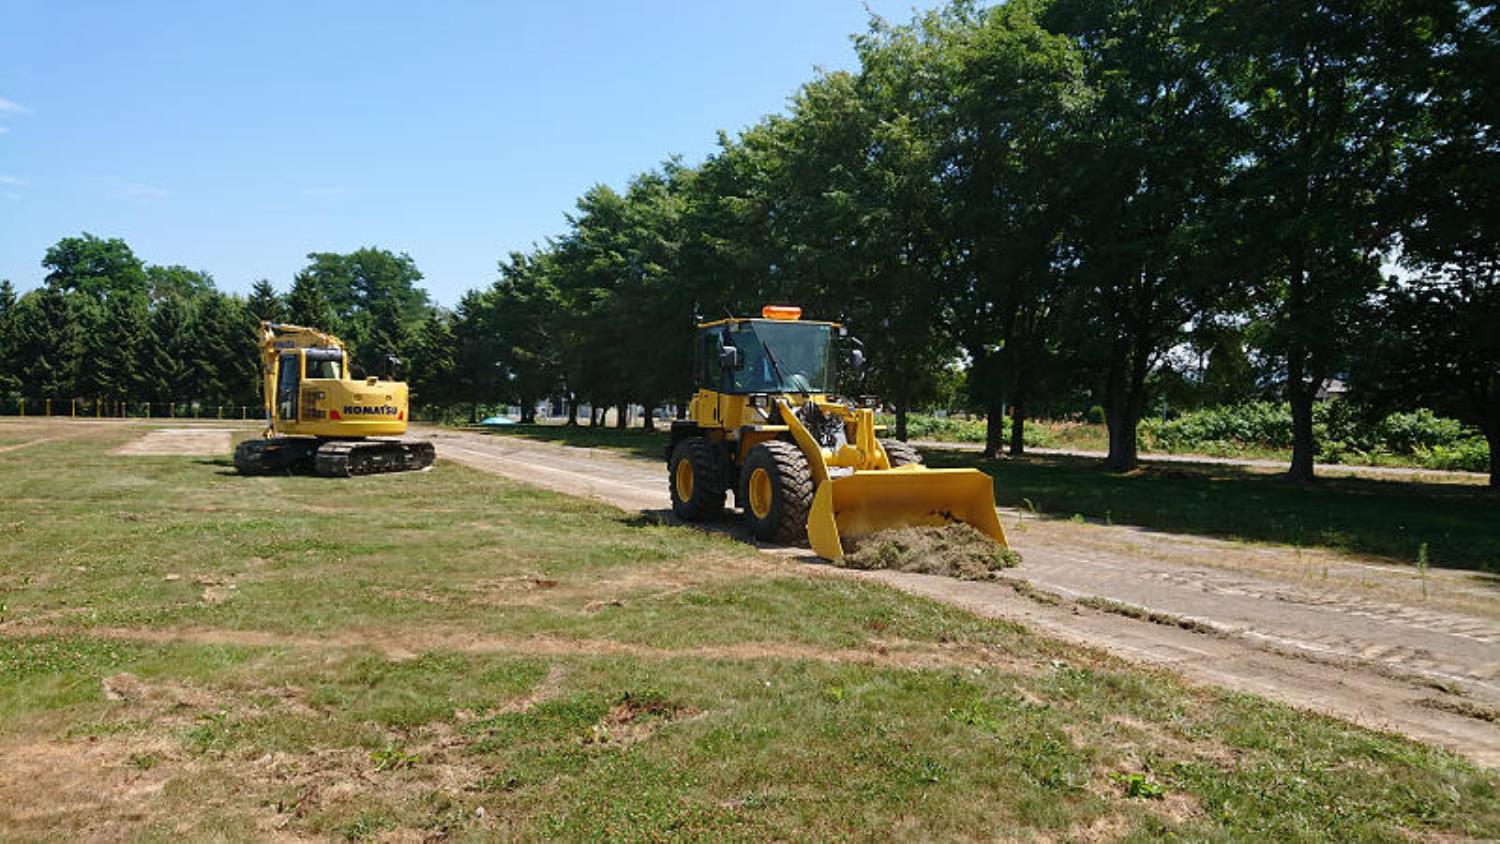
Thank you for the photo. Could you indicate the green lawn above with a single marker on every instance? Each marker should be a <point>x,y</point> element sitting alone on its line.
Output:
<point>1459,524</point>
<point>188,653</point>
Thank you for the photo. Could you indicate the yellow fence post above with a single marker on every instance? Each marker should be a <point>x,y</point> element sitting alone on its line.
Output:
<point>221,411</point>
<point>47,403</point>
<point>23,407</point>
<point>73,408</point>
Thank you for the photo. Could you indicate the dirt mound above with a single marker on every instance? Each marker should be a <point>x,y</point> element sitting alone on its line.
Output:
<point>954,550</point>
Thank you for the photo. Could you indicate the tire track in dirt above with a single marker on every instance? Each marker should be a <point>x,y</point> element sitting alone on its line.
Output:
<point>1379,663</point>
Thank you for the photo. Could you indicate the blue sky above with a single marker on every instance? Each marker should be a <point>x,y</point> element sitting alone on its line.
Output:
<point>236,138</point>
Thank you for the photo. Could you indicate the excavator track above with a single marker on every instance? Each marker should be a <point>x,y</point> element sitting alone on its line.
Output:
<point>332,458</point>
<point>274,456</point>
<point>346,458</point>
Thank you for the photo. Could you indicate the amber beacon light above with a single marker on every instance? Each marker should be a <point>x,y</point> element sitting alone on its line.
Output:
<point>781,312</point>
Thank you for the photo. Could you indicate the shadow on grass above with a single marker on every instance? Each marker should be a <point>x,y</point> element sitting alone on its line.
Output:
<point>1458,525</point>
<point>731,525</point>
<point>632,441</point>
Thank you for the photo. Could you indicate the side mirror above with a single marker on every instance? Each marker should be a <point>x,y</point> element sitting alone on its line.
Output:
<point>857,361</point>
<point>730,358</point>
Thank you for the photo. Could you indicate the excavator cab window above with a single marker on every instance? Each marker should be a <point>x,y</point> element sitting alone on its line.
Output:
<point>323,368</point>
<point>286,388</point>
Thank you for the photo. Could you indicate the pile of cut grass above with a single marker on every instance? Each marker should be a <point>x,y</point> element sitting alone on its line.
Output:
<point>951,550</point>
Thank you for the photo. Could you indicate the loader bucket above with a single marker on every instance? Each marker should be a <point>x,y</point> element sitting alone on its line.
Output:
<point>870,501</point>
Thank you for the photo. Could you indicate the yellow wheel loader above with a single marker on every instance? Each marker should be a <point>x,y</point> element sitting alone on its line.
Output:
<point>319,417</point>
<point>801,463</point>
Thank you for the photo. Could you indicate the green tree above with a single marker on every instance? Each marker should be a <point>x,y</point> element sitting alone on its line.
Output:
<point>1003,93</point>
<point>1438,345</point>
<point>176,282</point>
<point>118,348</point>
<point>95,267</point>
<point>165,362</point>
<point>1152,152</point>
<point>526,323</point>
<point>10,368</point>
<point>373,294</point>
<point>1324,106</point>
<point>49,343</point>
<point>222,364</point>
<point>431,367</point>
<point>476,352</point>
<point>265,303</point>
<point>306,305</point>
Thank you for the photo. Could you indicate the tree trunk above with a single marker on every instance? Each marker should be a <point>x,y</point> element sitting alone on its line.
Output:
<point>1492,436</point>
<point>648,421</point>
<point>1118,418</point>
<point>572,410</point>
<point>994,428</point>
<point>1303,445</point>
<point>528,412</point>
<point>1123,456</point>
<point>1300,387</point>
<point>901,418</point>
<point>1018,415</point>
<point>682,408</point>
<point>1018,426</point>
<point>622,415</point>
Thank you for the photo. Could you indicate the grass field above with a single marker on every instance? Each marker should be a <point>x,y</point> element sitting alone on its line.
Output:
<point>188,653</point>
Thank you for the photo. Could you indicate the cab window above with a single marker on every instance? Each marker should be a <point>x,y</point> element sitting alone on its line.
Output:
<point>322,368</point>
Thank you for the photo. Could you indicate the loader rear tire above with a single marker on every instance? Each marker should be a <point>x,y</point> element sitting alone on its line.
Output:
<point>778,492</point>
<point>901,453</point>
<point>696,481</point>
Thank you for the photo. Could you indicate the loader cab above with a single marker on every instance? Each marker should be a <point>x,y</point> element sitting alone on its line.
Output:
<point>778,355</point>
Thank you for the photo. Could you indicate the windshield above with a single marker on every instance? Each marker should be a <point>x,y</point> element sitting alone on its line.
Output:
<point>783,357</point>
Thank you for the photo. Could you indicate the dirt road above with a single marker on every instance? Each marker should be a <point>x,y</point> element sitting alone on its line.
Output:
<point>1376,644</point>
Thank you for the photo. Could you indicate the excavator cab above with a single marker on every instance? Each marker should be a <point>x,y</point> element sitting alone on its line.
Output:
<point>766,425</point>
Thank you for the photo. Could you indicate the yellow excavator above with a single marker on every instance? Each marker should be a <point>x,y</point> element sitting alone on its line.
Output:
<point>763,423</point>
<point>320,417</point>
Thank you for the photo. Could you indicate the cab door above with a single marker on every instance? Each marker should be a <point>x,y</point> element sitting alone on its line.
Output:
<point>288,378</point>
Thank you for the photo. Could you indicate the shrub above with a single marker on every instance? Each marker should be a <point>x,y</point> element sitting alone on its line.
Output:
<point>1469,455</point>
<point>921,426</point>
<point>1345,432</point>
<point>1095,415</point>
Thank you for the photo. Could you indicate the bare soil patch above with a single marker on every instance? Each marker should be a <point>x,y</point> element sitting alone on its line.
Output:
<point>100,788</point>
<point>179,442</point>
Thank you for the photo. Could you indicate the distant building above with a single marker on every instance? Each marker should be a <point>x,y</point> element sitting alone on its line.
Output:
<point>1333,388</point>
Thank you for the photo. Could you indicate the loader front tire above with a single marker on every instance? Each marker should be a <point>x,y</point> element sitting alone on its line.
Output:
<point>901,453</point>
<point>694,476</point>
<point>778,492</point>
